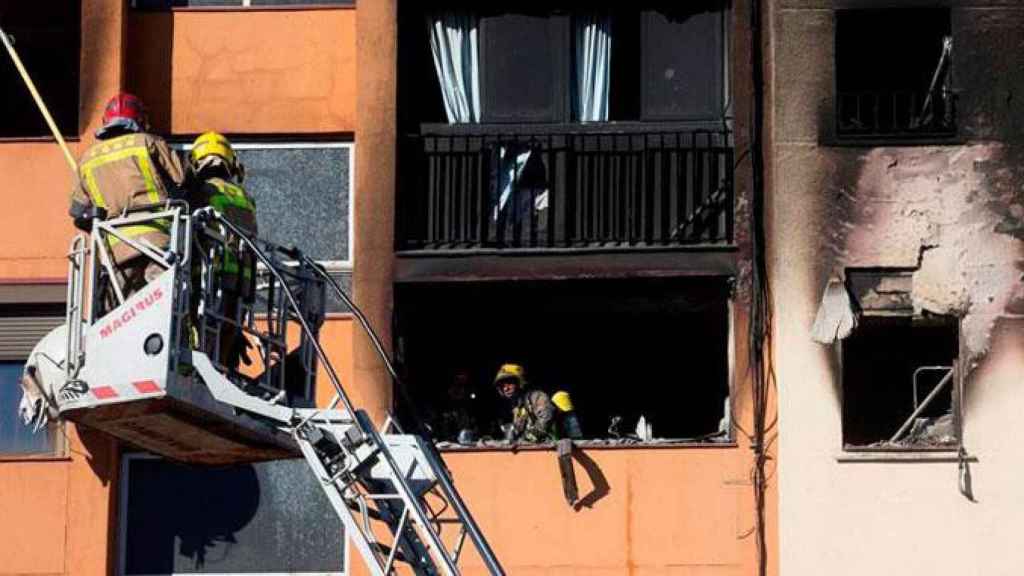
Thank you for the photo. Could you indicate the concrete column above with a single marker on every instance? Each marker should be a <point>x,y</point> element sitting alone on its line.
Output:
<point>376,56</point>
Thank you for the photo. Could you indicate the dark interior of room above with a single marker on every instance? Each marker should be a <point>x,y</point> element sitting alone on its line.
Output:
<point>889,57</point>
<point>629,347</point>
<point>879,360</point>
<point>47,41</point>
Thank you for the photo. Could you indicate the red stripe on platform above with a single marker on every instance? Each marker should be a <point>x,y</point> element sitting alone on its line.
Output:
<point>146,386</point>
<point>104,392</point>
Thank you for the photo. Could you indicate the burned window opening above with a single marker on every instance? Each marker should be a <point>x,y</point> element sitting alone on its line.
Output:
<point>623,349</point>
<point>900,383</point>
<point>894,73</point>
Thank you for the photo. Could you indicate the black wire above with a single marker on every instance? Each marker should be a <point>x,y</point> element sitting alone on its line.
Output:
<point>418,423</point>
<point>761,313</point>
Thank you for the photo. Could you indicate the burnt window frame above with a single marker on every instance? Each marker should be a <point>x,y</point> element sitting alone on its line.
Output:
<point>956,408</point>
<point>837,136</point>
<point>67,115</point>
<point>724,438</point>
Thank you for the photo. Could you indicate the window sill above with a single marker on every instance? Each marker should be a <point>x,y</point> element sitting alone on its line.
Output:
<point>32,458</point>
<point>907,455</point>
<point>891,142</point>
<point>451,447</point>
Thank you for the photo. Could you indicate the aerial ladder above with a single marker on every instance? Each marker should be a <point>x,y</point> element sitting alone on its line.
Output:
<point>147,368</point>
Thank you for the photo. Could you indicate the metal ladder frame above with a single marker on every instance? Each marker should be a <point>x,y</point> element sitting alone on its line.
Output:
<point>360,467</point>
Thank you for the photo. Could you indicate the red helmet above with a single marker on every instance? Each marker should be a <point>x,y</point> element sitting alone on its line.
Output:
<point>125,107</point>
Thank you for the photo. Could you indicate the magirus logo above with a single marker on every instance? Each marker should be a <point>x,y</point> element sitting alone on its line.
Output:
<point>128,315</point>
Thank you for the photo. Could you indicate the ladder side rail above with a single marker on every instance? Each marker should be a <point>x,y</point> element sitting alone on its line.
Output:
<point>444,481</point>
<point>74,315</point>
<point>436,463</point>
<point>412,501</point>
<point>348,479</point>
<point>352,528</point>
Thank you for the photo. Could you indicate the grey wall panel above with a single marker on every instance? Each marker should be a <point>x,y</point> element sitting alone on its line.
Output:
<point>255,519</point>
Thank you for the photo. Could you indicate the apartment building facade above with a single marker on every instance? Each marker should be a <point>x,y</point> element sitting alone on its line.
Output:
<point>895,137</point>
<point>597,233</point>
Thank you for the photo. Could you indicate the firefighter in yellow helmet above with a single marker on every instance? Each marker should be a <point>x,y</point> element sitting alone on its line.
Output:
<point>218,176</point>
<point>127,169</point>
<point>533,413</point>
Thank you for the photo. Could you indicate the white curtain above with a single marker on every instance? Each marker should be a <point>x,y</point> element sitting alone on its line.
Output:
<point>453,42</point>
<point>593,64</point>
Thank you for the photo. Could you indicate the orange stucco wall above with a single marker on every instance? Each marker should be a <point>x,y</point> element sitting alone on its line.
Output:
<point>57,513</point>
<point>285,72</point>
<point>251,72</point>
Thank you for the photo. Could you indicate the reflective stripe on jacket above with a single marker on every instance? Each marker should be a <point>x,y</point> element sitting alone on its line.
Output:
<point>124,173</point>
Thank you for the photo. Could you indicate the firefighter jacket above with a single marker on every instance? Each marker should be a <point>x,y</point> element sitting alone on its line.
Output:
<point>123,173</point>
<point>533,417</point>
<point>239,208</point>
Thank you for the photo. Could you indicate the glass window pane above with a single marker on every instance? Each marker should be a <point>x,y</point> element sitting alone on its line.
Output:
<point>254,519</point>
<point>15,437</point>
<point>524,67</point>
<point>302,197</point>
<point>682,52</point>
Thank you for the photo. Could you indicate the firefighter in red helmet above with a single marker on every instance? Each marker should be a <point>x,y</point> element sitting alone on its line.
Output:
<point>126,169</point>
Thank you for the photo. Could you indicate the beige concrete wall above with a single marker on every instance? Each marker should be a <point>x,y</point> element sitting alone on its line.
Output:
<point>952,211</point>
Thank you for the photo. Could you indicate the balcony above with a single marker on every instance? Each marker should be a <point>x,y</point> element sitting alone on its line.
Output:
<point>485,188</point>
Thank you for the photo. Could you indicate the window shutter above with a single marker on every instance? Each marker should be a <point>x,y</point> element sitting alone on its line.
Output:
<point>19,334</point>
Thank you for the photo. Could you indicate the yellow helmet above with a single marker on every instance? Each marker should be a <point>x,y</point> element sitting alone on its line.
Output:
<point>562,400</point>
<point>511,372</point>
<point>213,145</point>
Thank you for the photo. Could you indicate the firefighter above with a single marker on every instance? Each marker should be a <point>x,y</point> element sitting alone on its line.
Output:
<point>127,169</point>
<point>218,177</point>
<point>533,413</point>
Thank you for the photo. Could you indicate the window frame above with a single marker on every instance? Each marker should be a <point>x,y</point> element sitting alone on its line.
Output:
<point>334,267</point>
<point>724,83</point>
<point>56,429</point>
<point>76,128</point>
<point>726,441</point>
<point>867,453</point>
<point>122,530</point>
<point>561,92</point>
<point>836,138</point>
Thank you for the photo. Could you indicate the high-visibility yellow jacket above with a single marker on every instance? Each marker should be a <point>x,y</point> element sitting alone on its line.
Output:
<point>123,173</point>
<point>235,204</point>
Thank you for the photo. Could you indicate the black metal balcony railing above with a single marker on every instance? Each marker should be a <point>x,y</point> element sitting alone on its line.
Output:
<point>897,114</point>
<point>581,189</point>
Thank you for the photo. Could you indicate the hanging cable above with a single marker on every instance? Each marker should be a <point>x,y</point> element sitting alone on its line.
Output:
<point>762,371</point>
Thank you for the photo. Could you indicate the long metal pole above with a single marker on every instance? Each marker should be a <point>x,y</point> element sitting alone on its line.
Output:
<point>38,99</point>
<point>927,401</point>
